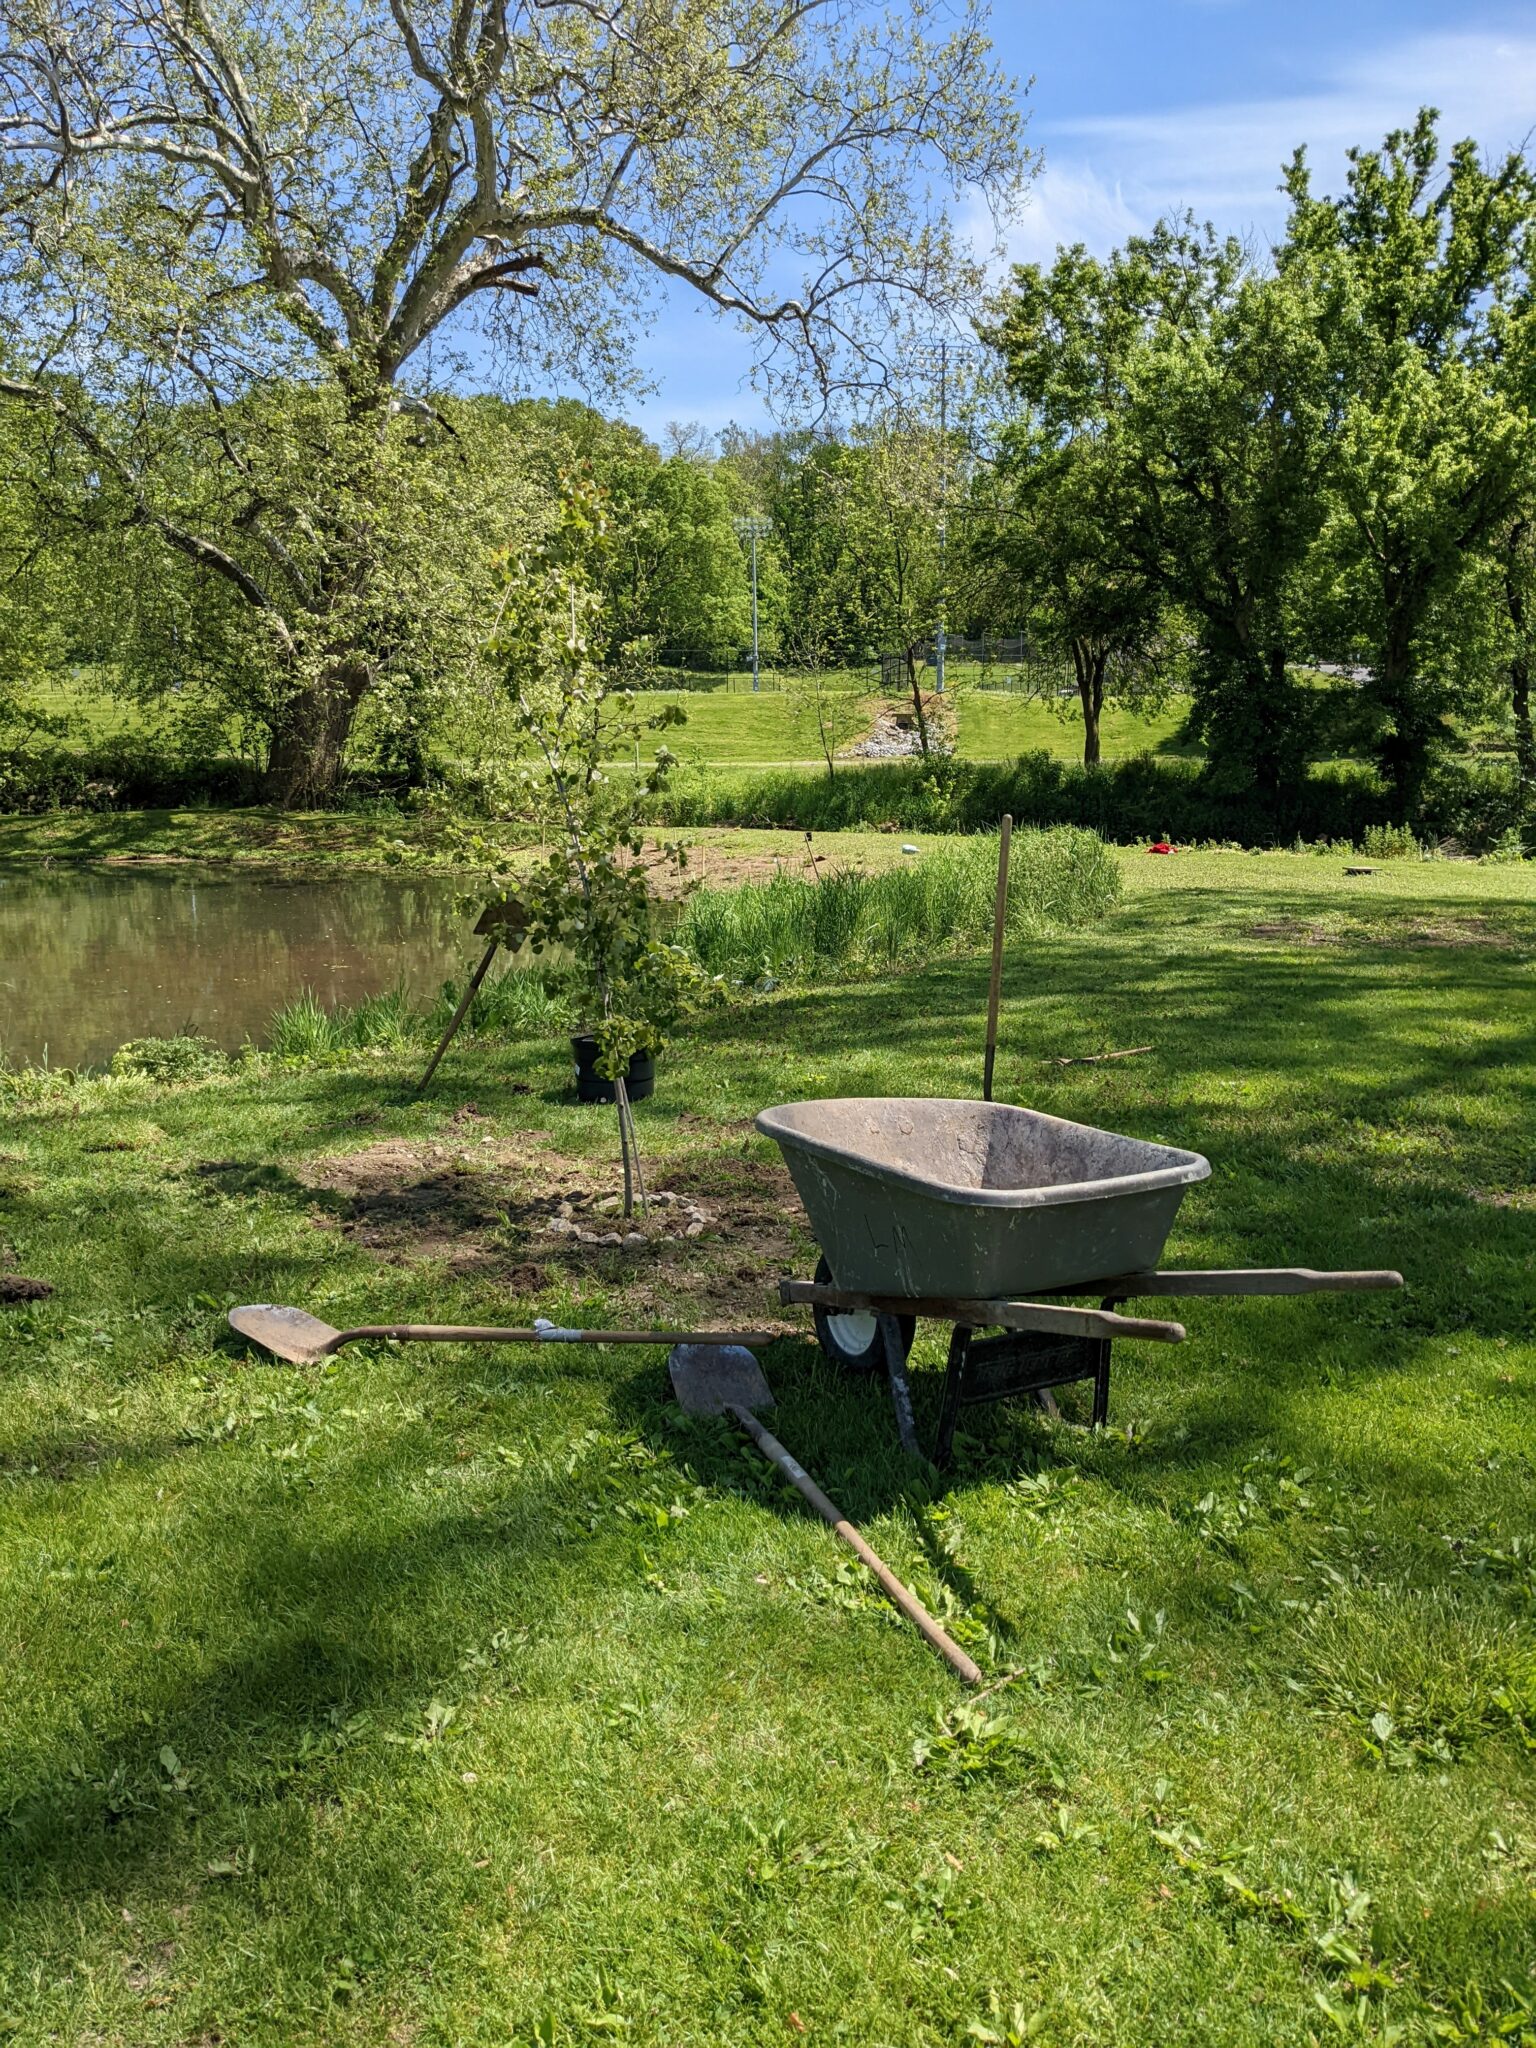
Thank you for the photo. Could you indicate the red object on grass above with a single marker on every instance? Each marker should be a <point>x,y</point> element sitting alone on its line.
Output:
<point>1160,846</point>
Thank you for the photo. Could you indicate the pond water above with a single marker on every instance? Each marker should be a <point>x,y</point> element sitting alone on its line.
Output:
<point>90,957</point>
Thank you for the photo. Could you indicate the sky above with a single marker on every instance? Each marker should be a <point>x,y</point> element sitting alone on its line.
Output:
<point>1141,107</point>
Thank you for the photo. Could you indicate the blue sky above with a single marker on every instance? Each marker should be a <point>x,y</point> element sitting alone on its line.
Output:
<point>1141,106</point>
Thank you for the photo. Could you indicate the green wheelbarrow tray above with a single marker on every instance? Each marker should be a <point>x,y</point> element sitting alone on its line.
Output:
<point>923,1196</point>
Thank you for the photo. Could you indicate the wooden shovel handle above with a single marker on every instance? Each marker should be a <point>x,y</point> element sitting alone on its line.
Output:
<point>900,1595</point>
<point>465,1333</point>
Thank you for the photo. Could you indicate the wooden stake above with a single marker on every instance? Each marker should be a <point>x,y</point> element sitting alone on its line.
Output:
<point>460,1013</point>
<point>999,921</point>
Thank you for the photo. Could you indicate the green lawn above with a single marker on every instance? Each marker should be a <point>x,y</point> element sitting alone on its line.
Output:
<point>465,1697</point>
<point>738,729</point>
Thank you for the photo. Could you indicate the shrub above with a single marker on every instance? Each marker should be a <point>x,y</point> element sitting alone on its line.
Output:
<point>1146,797</point>
<point>182,1058</point>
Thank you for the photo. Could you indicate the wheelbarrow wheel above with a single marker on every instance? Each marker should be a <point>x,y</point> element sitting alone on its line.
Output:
<point>851,1337</point>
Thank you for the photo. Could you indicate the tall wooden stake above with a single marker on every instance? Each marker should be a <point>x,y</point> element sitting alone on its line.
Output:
<point>459,1014</point>
<point>999,921</point>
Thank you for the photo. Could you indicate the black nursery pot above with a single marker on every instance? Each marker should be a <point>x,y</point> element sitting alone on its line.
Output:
<point>639,1077</point>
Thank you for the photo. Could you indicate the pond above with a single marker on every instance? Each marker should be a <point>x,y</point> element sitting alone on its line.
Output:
<point>90,957</point>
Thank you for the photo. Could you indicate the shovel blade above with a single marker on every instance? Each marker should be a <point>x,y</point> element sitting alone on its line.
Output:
<point>290,1333</point>
<point>710,1378</point>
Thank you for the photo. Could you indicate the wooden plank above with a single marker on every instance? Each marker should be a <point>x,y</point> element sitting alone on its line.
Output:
<point>982,1315</point>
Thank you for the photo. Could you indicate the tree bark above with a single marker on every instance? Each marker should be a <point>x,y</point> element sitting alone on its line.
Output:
<point>309,740</point>
<point>917,699</point>
<point>1088,666</point>
<point>1520,661</point>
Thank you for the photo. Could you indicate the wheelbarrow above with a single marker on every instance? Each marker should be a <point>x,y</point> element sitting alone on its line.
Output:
<point>954,1210</point>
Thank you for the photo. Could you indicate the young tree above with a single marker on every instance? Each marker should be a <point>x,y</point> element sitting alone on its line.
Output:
<point>1055,548</point>
<point>203,201</point>
<point>1420,273</point>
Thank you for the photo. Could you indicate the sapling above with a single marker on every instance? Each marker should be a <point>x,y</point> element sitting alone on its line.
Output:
<point>590,894</point>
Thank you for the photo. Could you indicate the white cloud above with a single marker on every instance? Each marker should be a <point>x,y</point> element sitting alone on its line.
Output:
<point>1106,176</point>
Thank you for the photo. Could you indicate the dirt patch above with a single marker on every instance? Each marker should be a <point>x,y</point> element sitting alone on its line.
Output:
<point>721,1227</point>
<point>1505,1198</point>
<point>16,1287</point>
<point>415,1201</point>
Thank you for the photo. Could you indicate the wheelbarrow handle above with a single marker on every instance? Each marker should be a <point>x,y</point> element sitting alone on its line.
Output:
<point>983,1315</point>
<point>1241,1280</point>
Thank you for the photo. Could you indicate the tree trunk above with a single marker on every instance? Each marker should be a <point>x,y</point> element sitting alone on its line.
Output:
<point>1515,563</point>
<point>1088,665</point>
<point>309,741</point>
<point>917,699</point>
<point>1403,752</point>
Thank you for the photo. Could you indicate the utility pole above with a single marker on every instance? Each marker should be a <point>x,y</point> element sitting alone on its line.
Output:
<point>753,527</point>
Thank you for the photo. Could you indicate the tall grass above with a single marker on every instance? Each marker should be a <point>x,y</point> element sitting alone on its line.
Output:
<point>787,928</point>
<point>518,1004</point>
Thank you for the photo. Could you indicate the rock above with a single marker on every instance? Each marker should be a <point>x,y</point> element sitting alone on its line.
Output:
<point>695,1229</point>
<point>606,1206</point>
<point>562,1226</point>
<point>565,1209</point>
<point>586,1237</point>
<point>635,1241</point>
<point>610,1237</point>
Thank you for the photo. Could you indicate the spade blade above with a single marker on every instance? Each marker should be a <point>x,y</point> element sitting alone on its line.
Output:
<point>290,1333</point>
<point>709,1378</point>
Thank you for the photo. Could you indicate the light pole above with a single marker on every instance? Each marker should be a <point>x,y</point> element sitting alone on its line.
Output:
<point>753,527</point>
<point>937,357</point>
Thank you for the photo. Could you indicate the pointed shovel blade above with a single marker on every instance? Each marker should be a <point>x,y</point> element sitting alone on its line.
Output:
<point>709,1378</point>
<point>290,1333</point>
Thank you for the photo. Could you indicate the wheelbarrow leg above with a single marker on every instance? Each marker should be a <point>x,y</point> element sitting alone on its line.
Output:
<point>901,1386</point>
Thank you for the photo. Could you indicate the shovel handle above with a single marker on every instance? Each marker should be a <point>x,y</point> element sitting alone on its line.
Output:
<point>461,1333</point>
<point>901,1596</point>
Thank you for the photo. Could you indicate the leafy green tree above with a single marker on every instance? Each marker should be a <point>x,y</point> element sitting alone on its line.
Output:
<point>206,204</point>
<point>1055,549</point>
<point>1207,395</point>
<point>1419,271</point>
<point>591,894</point>
<point>675,579</point>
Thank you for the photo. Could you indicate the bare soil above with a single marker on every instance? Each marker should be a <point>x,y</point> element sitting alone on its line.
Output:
<point>523,1215</point>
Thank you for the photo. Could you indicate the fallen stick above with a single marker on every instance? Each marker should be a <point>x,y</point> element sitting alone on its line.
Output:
<point>1092,1059</point>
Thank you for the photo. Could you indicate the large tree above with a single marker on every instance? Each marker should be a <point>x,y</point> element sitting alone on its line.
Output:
<point>207,197</point>
<point>1205,393</point>
<point>1420,272</point>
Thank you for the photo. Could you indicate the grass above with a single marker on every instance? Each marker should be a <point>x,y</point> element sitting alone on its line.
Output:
<point>789,927</point>
<point>468,1697</point>
<point>739,730</point>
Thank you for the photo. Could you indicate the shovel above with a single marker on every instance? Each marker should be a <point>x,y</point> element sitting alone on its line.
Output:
<point>301,1338</point>
<point>720,1378</point>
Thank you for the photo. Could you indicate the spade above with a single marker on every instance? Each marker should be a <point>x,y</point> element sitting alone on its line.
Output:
<point>725,1379</point>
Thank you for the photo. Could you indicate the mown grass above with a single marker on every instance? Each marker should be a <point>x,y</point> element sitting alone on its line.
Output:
<point>465,1697</point>
<point>732,729</point>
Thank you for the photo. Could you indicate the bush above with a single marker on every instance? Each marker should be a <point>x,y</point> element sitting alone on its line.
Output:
<point>1143,798</point>
<point>788,927</point>
<point>183,1058</point>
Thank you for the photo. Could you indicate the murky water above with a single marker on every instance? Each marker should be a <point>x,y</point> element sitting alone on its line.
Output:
<point>90,957</point>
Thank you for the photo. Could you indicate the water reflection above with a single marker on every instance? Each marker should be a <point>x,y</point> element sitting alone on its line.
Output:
<point>92,956</point>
